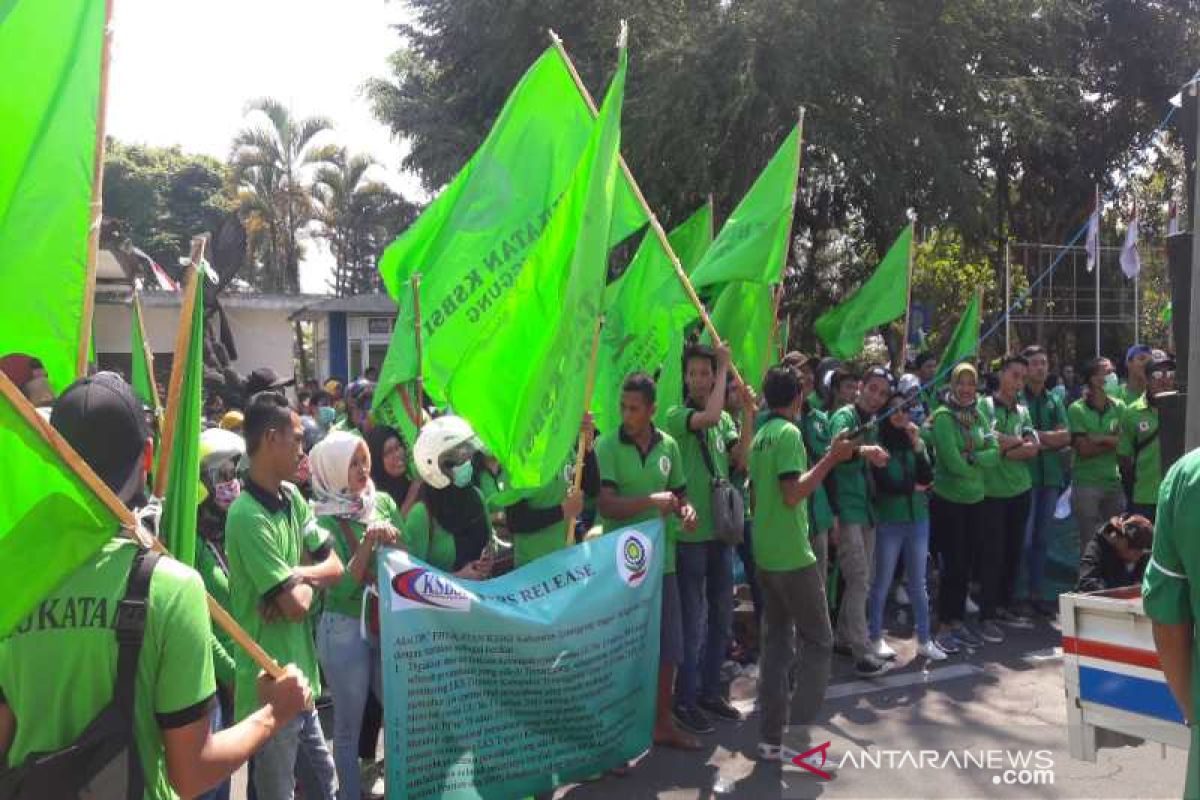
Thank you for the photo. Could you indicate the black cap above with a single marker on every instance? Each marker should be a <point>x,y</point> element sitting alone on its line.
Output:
<point>264,378</point>
<point>104,422</point>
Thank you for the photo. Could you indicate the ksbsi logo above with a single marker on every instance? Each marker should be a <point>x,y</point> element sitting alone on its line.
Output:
<point>418,587</point>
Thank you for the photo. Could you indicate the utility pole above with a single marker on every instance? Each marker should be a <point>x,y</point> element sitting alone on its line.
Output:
<point>1192,390</point>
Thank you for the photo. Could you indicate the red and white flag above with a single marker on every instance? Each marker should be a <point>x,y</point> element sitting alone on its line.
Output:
<point>1092,243</point>
<point>165,281</point>
<point>1131,263</point>
<point>1172,219</point>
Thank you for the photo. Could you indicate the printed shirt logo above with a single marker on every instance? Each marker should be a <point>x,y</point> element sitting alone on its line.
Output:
<point>720,445</point>
<point>664,465</point>
<point>633,557</point>
<point>1143,426</point>
<point>424,587</point>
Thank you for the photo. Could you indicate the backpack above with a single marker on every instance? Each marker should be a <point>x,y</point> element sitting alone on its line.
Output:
<point>103,762</point>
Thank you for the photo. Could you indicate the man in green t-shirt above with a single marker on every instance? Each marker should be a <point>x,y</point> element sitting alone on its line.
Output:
<point>794,594</point>
<point>1047,477</point>
<point>709,444</point>
<point>57,669</point>
<point>1169,600</point>
<point>641,477</point>
<point>1138,450</point>
<point>279,557</point>
<point>1137,358</point>
<point>850,497</point>
<point>814,427</point>
<point>1095,420</point>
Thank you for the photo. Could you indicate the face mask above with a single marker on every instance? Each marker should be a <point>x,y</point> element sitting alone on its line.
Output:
<point>1110,382</point>
<point>462,474</point>
<point>225,493</point>
<point>325,416</point>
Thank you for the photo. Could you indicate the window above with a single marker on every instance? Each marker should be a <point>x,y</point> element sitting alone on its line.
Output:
<point>355,365</point>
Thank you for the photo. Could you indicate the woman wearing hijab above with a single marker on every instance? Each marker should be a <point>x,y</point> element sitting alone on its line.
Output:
<point>359,519</point>
<point>963,448</point>
<point>389,467</point>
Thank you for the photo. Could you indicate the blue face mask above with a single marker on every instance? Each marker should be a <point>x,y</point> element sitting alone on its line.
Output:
<point>326,415</point>
<point>462,474</point>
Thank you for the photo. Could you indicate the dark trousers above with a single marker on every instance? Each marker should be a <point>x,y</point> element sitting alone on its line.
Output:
<point>955,531</point>
<point>998,546</point>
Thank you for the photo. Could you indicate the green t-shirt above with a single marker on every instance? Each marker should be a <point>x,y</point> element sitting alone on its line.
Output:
<point>718,439</point>
<point>266,536</point>
<point>1047,413</point>
<point>1139,435</point>
<point>1127,395</point>
<point>216,582</point>
<point>1098,471</point>
<point>780,531</point>
<point>852,498</point>
<point>345,596</point>
<point>1009,478</point>
<point>1167,595</point>
<point>427,540</point>
<point>957,477</point>
<point>629,472</point>
<point>58,666</point>
<point>814,426</point>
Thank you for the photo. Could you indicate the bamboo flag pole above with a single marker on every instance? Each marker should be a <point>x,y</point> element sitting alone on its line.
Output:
<point>129,525</point>
<point>585,437</point>
<point>415,410</point>
<point>912,244</point>
<point>147,354</point>
<point>183,340</point>
<point>654,223</point>
<point>95,215</point>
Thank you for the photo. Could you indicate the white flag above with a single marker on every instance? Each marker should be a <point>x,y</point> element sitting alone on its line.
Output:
<point>1092,244</point>
<point>1172,219</point>
<point>1131,263</point>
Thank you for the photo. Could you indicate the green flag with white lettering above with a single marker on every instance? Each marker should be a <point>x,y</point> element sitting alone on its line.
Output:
<point>644,311</point>
<point>470,244</point>
<point>877,302</point>
<point>753,242</point>
<point>50,56</point>
<point>521,385</point>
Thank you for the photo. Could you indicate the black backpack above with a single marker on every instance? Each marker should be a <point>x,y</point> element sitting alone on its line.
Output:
<point>103,762</point>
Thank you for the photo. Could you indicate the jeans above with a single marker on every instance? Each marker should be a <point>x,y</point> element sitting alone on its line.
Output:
<point>705,574</point>
<point>954,528</point>
<point>275,763</point>
<point>795,607</point>
<point>890,539</point>
<point>352,669</point>
<point>1093,506</point>
<point>1042,500</point>
<point>856,551</point>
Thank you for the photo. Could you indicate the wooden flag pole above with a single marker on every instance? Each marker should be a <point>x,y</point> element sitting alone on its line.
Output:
<point>416,297</point>
<point>654,223</point>
<point>585,437</point>
<point>129,524</point>
<point>183,340</point>
<point>912,244</point>
<point>95,216</point>
<point>147,354</point>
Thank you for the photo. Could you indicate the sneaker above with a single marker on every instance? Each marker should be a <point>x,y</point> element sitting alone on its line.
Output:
<point>871,667</point>
<point>1013,619</point>
<point>971,607</point>
<point>967,637</point>
<point>882,649</point>
<point>990,632</point>
<point>692,719</point>
<point>775,752</point>
<point>948,643</point>
<point>719,707</point>
<point>932,651</point>
<point>902,596</point>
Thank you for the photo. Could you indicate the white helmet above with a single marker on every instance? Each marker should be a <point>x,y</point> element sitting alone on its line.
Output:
<point>443,444</point>
<point>218,446</point>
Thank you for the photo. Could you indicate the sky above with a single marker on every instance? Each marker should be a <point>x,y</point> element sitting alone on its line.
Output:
<point>182,74</point>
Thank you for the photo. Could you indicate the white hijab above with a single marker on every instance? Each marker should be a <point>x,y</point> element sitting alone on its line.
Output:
<point>330,461</point>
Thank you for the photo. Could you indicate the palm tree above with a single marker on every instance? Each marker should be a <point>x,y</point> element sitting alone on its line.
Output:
<point>349,210</point>
<point>270,164</point>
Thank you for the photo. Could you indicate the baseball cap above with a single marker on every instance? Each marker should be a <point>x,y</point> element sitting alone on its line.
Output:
<point>264,378</point>
<point>104,422</point>
<point>1160,362</point>
<point>1137,350</point>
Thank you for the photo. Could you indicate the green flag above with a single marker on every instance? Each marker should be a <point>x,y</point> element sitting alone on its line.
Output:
<point>645,310</point>
<point>521,386</point>
<point>50,521</point>
<point>878,301</point>
<point>142,371</point>
<point>753,242</point>
<point>744,315</point>
<point>470,244</point>
<point>178,530</point>
<point>963,344</point>
<point>50,59</point>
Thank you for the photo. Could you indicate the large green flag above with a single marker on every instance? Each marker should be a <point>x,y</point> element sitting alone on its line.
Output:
<point>753,242</point>
<point>744,315</point>
<point>522,384</point>
<point>470,244</point>
<point>50,521</point>
<point>878,301</point>
<point>50,62</point>
<point>645,310</point>
<point>142,371</point>
<point>178,530</point>
<point>963,344</point>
